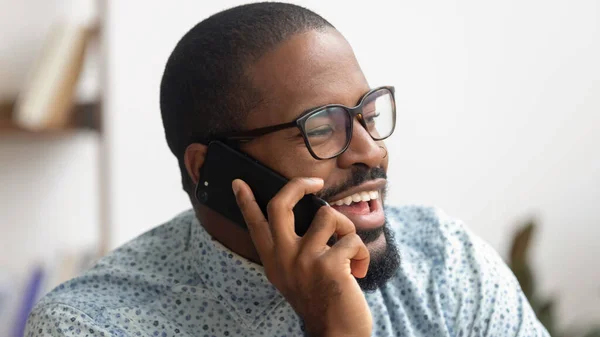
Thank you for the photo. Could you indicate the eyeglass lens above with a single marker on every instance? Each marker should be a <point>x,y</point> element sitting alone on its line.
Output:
<point>328,130</point>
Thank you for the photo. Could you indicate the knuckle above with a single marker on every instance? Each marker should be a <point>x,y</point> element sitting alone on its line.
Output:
<point>304,264</point>
<point>273,205</point>
<point>329,212</point>
<point>346,225</point>
<point>354,239</point>
<point>326,214</point>
<point>340,221</point>
<point>324,265</point>
<point>321,224</point>
<point>350,240</point>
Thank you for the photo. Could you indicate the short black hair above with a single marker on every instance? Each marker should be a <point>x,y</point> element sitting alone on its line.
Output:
<point>205,89</point>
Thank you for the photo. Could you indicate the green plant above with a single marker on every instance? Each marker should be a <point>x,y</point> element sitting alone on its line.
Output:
<point>542,306</point>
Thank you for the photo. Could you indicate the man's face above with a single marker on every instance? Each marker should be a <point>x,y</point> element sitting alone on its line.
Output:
<point>307,71</point>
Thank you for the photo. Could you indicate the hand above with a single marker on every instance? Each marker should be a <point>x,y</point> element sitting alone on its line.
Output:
<point>317,280</point>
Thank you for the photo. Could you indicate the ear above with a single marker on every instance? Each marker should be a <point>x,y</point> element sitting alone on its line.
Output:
<point>194,157</point>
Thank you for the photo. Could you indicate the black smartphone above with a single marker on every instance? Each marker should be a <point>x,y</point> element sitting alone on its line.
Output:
<point>223,164</point>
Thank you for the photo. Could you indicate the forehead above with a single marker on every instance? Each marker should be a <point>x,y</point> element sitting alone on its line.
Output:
<point>308,70</point>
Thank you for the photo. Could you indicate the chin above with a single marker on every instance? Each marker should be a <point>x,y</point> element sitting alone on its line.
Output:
<point>378,246</point>
<point>385,260</point>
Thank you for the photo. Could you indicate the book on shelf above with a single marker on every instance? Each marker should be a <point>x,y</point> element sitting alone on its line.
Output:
<point>46,100</point>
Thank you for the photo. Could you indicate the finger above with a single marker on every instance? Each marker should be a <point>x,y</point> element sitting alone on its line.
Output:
<point>258,226</point>
<point>351,247</point>
<point>326,223</point>
<point>280,208</point>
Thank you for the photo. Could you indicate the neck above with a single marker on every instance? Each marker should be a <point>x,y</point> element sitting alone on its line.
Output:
<point>230,235</point>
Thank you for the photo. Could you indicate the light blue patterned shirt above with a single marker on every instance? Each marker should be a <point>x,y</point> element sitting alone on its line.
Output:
<point>175,280</point>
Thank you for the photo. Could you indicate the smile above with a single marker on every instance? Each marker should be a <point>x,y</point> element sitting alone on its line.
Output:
<point>357,197</point>
<point>362,204</point>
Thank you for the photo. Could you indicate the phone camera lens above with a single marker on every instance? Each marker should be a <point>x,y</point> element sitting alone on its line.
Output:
<point>203,196</point>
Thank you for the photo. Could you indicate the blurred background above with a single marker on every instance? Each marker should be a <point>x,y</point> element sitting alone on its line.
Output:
<point>499,125</point>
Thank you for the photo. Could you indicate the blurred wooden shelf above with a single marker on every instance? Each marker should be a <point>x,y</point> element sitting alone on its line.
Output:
<point>85,118</point>
<point>8,128</point>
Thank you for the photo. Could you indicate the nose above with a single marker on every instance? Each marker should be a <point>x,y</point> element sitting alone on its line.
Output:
<point>362,148</point>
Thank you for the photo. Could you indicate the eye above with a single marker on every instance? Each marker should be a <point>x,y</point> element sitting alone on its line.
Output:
<point>371,116</point>
<point>321,131</point>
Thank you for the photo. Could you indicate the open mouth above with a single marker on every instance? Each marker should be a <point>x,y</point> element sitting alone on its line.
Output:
<point>364,207</point>
<point>357,203</point>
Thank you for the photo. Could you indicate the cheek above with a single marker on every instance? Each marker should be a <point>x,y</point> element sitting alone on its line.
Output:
<point>297,162</point>
<point>290,160</point>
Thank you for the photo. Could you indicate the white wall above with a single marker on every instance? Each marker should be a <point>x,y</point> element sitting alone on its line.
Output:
<point>48,208</point>
<point>49,183</point>
<point>49,197</point>
<point>49,187</point>
<point>499,118</point>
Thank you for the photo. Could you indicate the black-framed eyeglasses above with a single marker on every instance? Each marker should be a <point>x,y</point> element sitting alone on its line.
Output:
<point>327,130</point>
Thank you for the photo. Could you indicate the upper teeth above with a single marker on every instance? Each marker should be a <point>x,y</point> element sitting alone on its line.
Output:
<point>360,196</point>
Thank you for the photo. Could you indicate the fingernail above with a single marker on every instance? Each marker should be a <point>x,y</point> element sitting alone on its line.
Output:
<point>235,185</point>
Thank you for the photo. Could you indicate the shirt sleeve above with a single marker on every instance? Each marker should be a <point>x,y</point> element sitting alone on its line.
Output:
<point>59,320</point>
<point>485,298</point>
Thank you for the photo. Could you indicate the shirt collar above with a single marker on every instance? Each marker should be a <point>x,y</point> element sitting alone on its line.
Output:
<point>239,283</point>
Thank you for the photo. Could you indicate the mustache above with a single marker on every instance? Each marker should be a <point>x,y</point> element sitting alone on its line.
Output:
<point>360,174</point>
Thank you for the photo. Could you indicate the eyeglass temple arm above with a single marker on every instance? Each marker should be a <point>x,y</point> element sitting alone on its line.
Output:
<point>246,136</point>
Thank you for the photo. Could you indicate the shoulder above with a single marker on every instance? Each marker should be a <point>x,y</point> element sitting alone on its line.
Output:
<point>448,264</point>
<point>429,234</point>
<point>57,319</point>
<point>428,231</point>
<point>133,274</point>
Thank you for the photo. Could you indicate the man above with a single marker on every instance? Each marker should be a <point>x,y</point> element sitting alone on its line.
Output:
<point>353,273</point>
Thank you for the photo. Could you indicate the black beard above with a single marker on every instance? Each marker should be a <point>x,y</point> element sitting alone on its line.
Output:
<point>383,265</point>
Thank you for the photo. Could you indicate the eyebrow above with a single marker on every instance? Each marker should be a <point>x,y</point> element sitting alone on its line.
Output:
<point>311,109</point>
<point>322,106</point>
